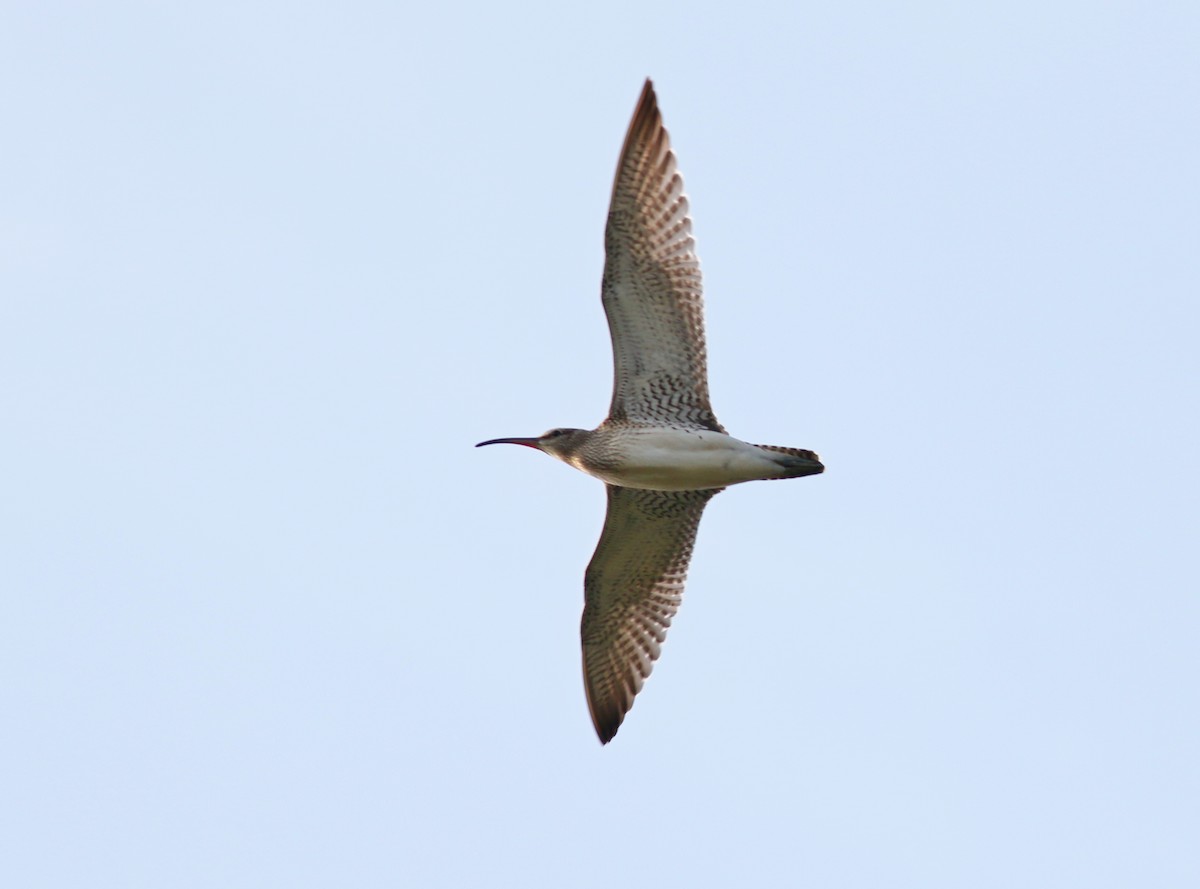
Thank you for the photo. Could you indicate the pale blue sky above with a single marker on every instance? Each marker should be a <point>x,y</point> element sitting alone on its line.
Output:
<point>267,273</point>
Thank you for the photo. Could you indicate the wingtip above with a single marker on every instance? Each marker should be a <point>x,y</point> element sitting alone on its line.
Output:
<point>606,712</point>
<point>607,726</point>
<point>646,110</point>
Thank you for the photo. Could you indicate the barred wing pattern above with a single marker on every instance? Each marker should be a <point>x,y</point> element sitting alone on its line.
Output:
<point>651,289</point>
<point>632,589</point>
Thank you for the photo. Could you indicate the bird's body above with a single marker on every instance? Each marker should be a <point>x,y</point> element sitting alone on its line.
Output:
<point>661,452</point>
<point>663,458</point>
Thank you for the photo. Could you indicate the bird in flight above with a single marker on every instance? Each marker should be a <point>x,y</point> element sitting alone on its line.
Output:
<point>661,452</point>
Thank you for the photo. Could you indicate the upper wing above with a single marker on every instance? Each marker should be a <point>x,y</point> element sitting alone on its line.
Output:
<point>651,288</point>
<point>632,589</point>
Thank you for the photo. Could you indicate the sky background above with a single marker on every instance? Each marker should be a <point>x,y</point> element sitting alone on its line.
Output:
<point>269,270</point>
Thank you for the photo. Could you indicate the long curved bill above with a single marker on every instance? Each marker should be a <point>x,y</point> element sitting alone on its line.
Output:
<point>527,442</point>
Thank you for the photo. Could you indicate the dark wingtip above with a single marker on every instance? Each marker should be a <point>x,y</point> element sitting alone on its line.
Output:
<point>607,715</point>
<point>607,729</point>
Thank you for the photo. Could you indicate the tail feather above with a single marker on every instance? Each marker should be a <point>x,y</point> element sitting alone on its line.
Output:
<point>797,461</point>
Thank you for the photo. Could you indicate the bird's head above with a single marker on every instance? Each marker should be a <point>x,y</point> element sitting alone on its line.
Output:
<point>560,443</point>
